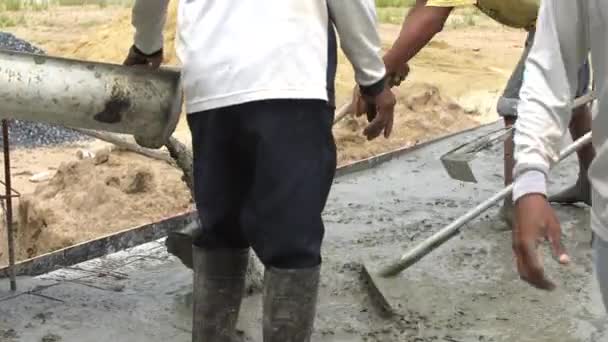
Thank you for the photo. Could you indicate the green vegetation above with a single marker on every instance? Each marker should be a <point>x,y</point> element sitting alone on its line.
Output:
<point>6,21</point>
<point>40,5</point>
<point>395,3</point>
<point>393,11</point>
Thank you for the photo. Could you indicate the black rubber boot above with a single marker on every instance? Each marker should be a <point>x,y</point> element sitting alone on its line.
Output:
<point>219,282</point>
<point>179,243</point>
<point>290,302</point>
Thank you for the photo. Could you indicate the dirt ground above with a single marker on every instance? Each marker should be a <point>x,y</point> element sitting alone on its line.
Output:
<point>454,85</point>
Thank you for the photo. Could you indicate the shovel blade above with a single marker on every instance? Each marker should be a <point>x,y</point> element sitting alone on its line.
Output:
<point>457,162</point>
<point>387,294</point>
<point>458,168</point>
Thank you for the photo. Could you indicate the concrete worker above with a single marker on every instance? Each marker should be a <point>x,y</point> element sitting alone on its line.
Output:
<point>427,18</point>
<point>567,31</point>
<point>256,87</point>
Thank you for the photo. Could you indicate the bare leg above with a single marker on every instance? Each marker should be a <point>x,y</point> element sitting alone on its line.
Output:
<point>581,191</point>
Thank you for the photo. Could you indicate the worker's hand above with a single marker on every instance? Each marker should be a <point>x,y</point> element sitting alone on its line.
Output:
<point>535,221</point>
<point>380,114</point>
<point>139,59</point>
<point>358,105</point>
<point>397,76</point>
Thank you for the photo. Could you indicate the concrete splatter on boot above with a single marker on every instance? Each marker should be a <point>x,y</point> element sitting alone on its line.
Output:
<point>219,284</point>
<point>290,301</point>
<point>179,244</point>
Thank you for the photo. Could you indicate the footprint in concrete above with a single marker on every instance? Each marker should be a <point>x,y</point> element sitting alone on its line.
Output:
<point>8,335</point>
<point>51,338</point>
<point>43,317</point>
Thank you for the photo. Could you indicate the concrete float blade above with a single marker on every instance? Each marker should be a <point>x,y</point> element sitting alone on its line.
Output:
<point>458,162</point>
<point>385,292</point>
<point>458,168</point>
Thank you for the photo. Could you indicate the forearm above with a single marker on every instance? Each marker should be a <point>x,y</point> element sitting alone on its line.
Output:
<point>545,109</point>
<point>420,26</point>
<point>148,19</point>
<point>355,22</point>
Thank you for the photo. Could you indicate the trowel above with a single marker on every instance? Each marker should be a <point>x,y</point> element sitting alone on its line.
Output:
<point>458,162</point>
<point>141,102</point>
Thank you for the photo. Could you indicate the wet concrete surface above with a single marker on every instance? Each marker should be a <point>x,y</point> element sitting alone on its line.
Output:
<point>467,290</point>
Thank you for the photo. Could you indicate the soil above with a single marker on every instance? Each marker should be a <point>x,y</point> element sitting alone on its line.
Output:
<point>88,198</point>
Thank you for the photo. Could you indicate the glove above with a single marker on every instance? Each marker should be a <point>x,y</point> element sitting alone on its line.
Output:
<point>140,59</point>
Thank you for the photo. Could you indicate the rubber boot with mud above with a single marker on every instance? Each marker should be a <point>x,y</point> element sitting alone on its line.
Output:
<point>290,302</point>
<point>219,283</point>
<point>179,243</point>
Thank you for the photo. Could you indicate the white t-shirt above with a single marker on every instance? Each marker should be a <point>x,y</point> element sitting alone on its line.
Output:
<point>237,51</point>
<point>566,32</point>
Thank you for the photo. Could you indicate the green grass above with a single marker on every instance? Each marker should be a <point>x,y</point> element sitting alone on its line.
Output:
<point>393,11</point>
<point>7,21</point>
<point>395,3</point>
<point>18,5</point>
<point>100,3</point>
<point>391,15</point>
<point>11,5</point>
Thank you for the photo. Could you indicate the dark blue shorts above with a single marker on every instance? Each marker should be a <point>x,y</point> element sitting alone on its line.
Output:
<point>262,175</point>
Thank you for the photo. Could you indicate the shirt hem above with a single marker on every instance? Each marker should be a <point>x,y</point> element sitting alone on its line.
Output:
<point>201,105</point>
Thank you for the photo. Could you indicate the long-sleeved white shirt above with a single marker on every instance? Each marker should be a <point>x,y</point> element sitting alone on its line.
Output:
<point>237,51</point>
<point>567,30</point>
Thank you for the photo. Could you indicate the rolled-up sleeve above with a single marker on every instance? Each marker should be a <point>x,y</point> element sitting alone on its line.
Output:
<point>355,22</point>
<point>148,18</point>
<point>550,79</point>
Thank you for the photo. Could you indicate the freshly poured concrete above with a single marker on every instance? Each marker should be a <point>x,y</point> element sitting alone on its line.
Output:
<point>467,290</point>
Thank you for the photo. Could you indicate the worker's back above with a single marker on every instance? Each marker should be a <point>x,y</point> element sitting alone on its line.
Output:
<point>236,51</point>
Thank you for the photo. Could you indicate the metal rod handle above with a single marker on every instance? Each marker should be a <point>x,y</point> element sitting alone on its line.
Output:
<point>578,102</point>
<point>421,250</point>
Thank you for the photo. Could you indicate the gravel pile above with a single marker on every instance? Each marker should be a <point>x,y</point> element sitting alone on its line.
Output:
<point>34,134</point>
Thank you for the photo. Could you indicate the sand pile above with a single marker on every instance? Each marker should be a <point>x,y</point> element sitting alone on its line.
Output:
<point>422,113</point>
<point>113,40</point>
<point>90,198</point>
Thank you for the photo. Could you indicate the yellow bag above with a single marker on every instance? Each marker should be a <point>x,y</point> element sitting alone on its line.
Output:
<point>513,13</point>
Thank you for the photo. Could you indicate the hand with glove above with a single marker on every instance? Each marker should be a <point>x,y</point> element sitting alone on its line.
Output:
<point>139,59</point>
